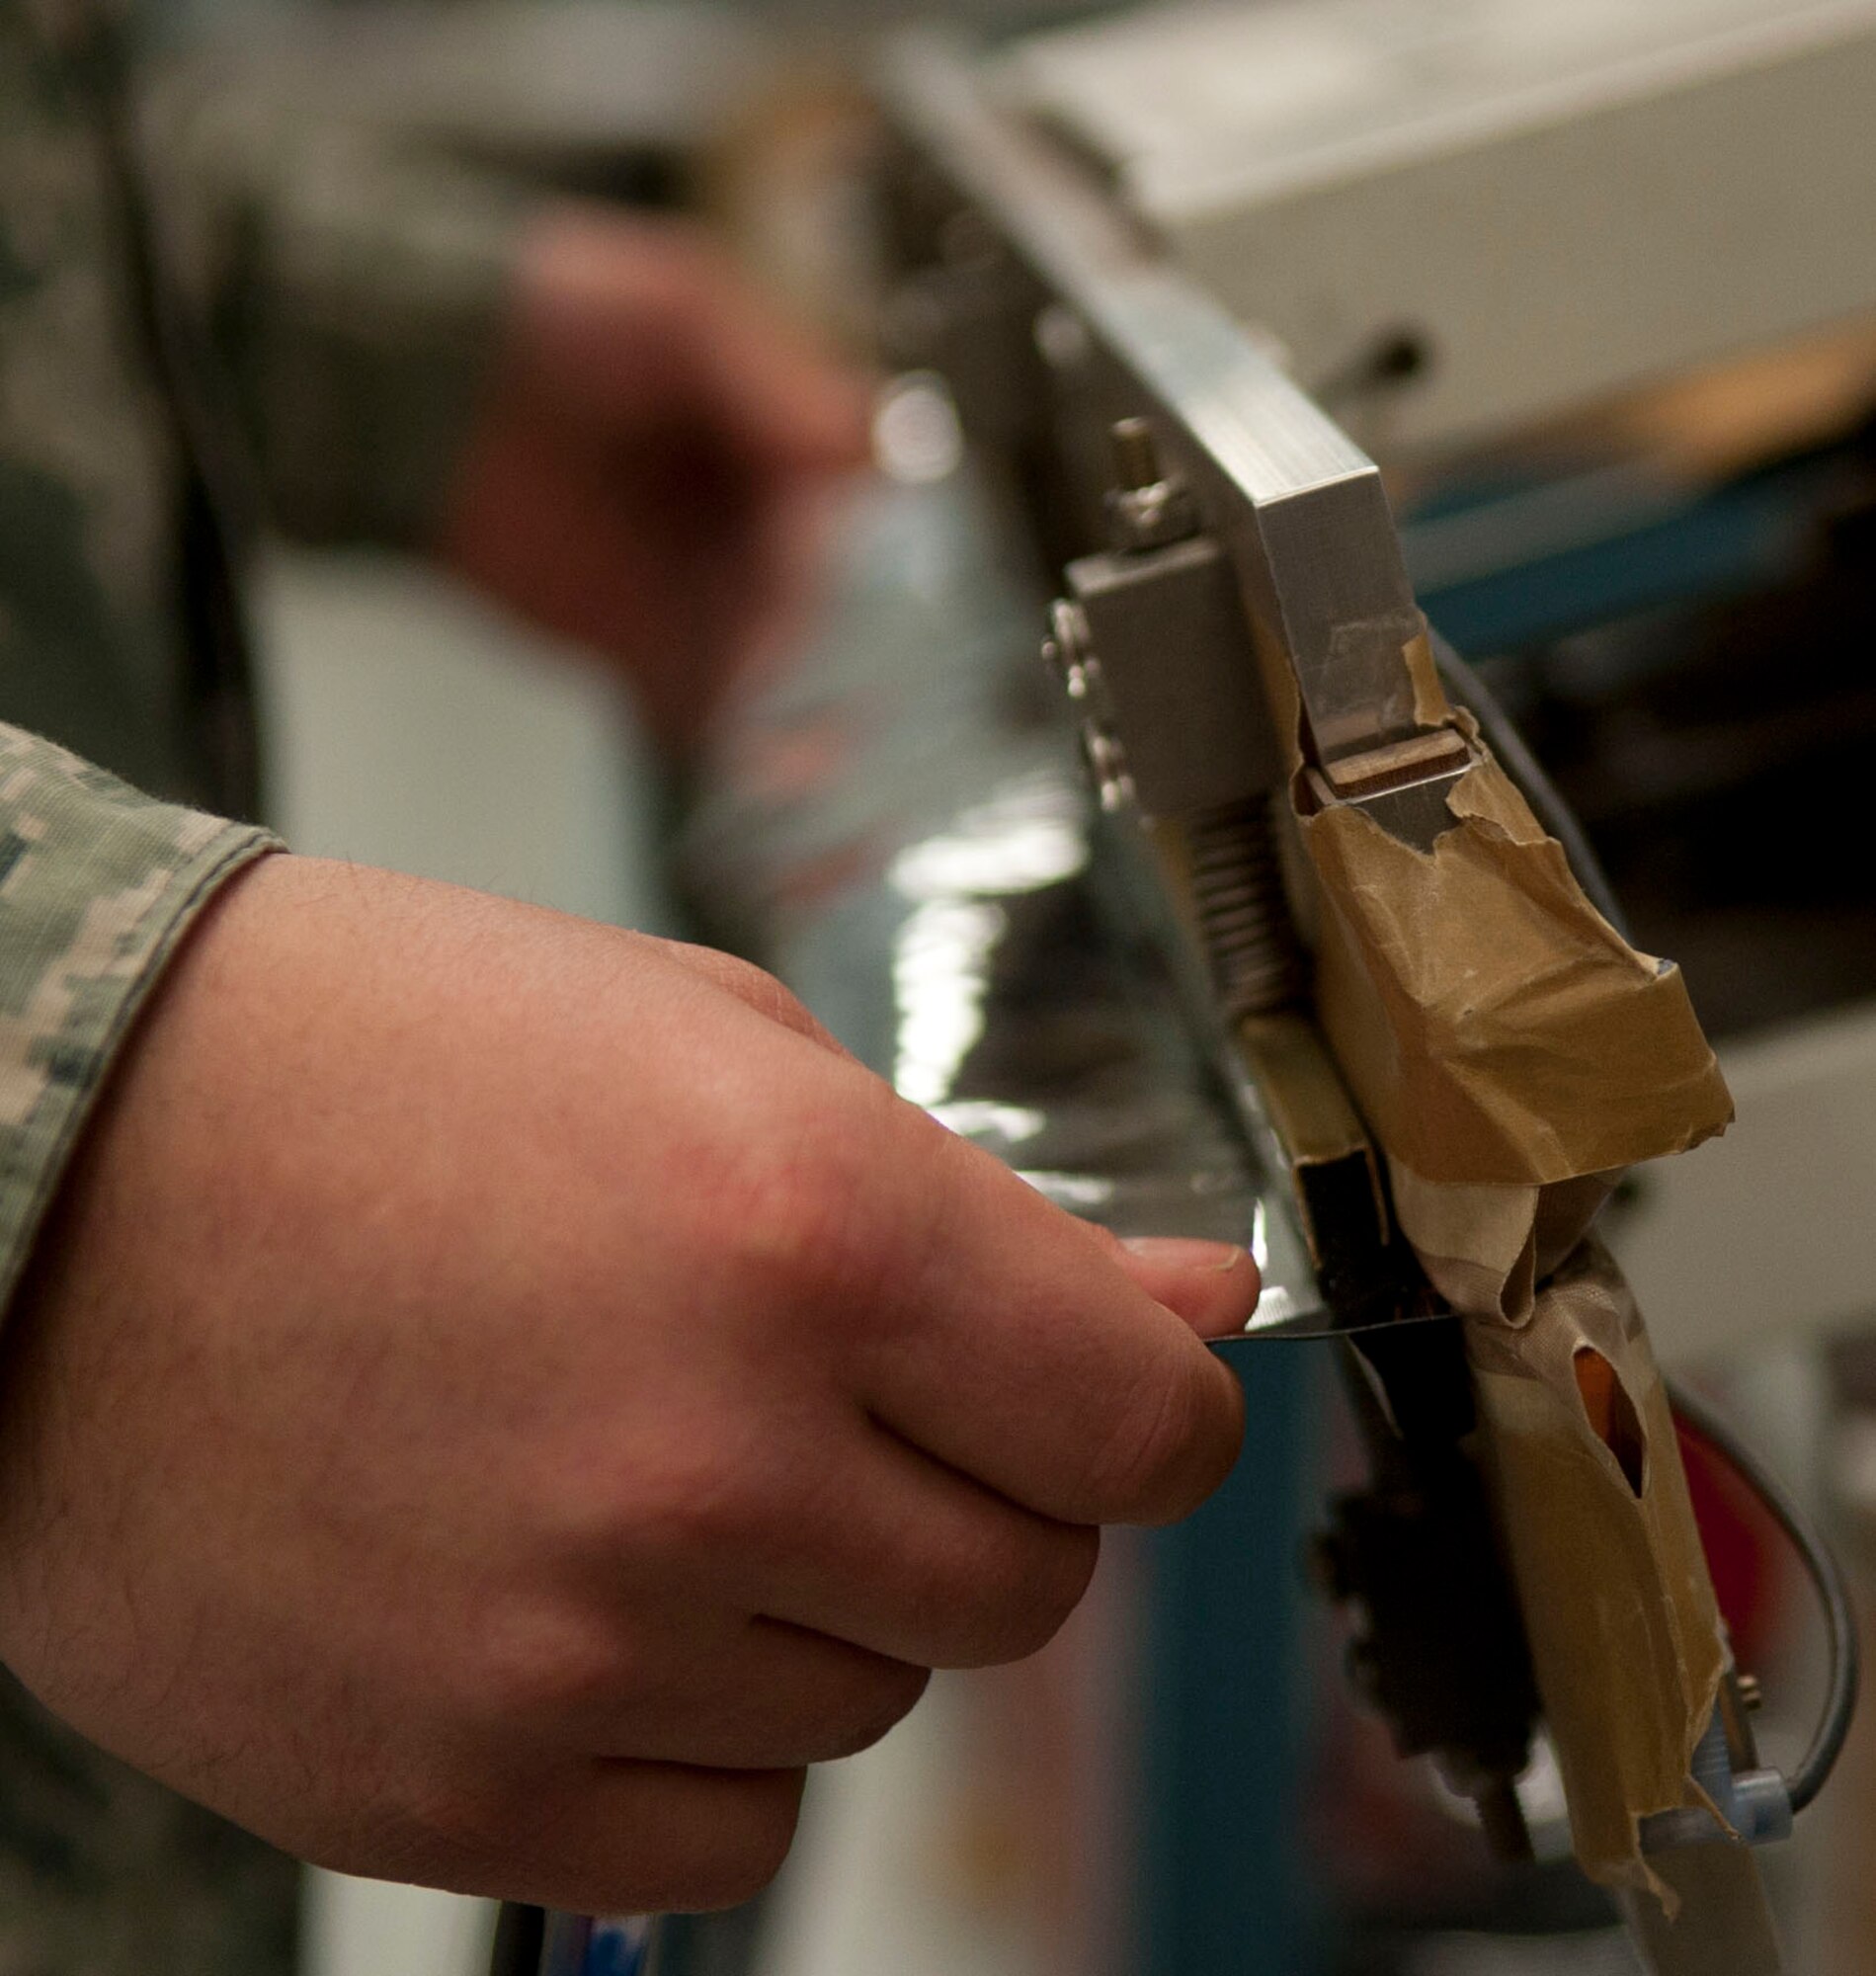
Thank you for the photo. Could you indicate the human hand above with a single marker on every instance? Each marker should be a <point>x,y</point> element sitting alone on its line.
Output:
<point>498,1396</point>
<point>647,472</point>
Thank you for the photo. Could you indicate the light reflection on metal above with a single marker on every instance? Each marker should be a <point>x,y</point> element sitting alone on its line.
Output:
<point>917,436</point>
<point>979,950</point>
<point>1028,835</point>
<point>1025,836</point>
<point>938,980</point>
<point>1277,1308</point>
<point>1084,1194</point>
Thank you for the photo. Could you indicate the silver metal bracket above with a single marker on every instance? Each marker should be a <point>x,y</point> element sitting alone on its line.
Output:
<point>1141,639</point>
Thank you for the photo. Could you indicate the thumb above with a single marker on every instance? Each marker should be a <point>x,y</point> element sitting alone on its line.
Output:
<point>1212,1285</point>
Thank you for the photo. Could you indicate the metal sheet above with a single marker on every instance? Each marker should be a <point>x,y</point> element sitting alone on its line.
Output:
<point>901,829</point>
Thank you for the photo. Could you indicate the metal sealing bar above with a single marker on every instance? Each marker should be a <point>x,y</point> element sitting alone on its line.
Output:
<point>1297,503</point>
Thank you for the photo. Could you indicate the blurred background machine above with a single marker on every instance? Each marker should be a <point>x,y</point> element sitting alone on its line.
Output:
<point>1550,204</point>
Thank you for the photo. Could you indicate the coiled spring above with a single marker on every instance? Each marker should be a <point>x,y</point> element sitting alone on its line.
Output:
<point>1256,960</point>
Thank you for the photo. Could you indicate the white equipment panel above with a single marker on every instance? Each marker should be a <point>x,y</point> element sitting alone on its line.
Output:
<point>1562,198</point>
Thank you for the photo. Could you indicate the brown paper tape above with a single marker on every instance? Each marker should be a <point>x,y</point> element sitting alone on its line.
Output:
<point>1496,1031</point>
<point>1512,1052</point>
<point>1431,707</point>
<point>1624,1634</point>
<point>1485,1248</point>
<point>1723,1922</point>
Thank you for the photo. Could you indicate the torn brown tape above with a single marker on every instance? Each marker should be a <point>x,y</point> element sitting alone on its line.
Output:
<point>1495,1028</point>
<point>1511,1053</point>
<point>1724,1922</point>
<point>1431,707</point>
<point>1624,1632</point>
<point>1485,1248</point>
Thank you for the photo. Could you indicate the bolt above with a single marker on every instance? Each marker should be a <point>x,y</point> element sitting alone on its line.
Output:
<point>1751,1692</point>
<point>1068,651</point>
<point>1107,760</point>
<point>1136,455</point>
<point>1066,647</point>
<point>1148,507</point>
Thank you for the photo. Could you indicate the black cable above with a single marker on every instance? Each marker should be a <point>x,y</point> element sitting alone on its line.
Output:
<point>519,1940</point>
<point>1805,1782</point>
<point>1527,772</point>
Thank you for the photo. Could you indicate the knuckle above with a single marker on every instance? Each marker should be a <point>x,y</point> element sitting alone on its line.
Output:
<point>771,999</point>
<point>1015,1597</point>
<point>668,1488</point>
<point>1146,1469</point>
<point>791,1213</point>
<point>693,1497</point>
<point>751,985</point>
<point>549,1667</point>
<point>800,1210</point>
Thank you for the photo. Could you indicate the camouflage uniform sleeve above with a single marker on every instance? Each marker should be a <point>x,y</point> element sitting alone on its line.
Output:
<point>97,886</point>
<point>354,278</point>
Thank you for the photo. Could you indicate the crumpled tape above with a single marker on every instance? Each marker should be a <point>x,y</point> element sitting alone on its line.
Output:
<point>1485,1248</point>
<point>1511,1053</point>
<point>1625,1635</point>
<point>1496,1031</point>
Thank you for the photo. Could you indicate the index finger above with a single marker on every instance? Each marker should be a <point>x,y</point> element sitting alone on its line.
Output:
<point>1023,1352</point>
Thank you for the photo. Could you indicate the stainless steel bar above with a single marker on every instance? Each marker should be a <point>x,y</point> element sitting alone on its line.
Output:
<point>1299,506</point>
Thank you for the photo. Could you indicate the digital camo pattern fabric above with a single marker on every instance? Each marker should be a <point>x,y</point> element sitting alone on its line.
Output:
<point>105,1873</point>
<point>101,1871</point>
<point>338,291</point>
<point>88,470</point>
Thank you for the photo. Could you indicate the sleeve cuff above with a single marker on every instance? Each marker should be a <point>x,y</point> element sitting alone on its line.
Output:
<point>98,885</point>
